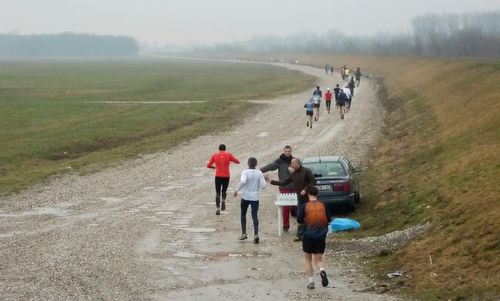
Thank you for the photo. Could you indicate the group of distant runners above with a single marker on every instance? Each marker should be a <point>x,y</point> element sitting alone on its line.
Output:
<point>343,96</point>
<point>312,215</point>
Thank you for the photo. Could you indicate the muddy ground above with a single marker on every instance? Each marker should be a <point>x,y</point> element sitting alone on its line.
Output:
<point>147,229</point>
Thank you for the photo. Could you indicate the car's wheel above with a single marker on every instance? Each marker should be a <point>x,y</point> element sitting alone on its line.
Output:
<point>350,206</point>
<point>357,197</point>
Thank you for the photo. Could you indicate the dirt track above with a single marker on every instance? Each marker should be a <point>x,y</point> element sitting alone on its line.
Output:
<point>146,230</point>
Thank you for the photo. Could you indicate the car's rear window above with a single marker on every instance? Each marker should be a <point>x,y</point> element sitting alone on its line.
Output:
<point>326,169</point>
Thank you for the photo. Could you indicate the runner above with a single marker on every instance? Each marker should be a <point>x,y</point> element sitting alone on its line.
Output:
<point>351,86</point>
<point>328,100</point>
<point>316,217</point>
<point>222,159</point>
<point>342,99</point>
<point>302,178</point>
<point>251,183</point>
<point>309,112</point>
<point>317,94</point>
<point>348,100</point>
<point>282,164</point>
<point>358,76</point>
<point>342,72</point>
<point>327,68</point>
<point>331,69</point>
<point>336,92</point>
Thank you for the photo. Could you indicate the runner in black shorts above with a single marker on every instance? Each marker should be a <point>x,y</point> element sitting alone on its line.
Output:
<point>317,94</point>
<point>316,218</point>
<point>222,159</point>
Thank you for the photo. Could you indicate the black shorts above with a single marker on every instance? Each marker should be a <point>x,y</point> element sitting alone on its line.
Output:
<point>341,104</point>
<point>313,246</point>
<point>316,105</point>
<point>309,113</point>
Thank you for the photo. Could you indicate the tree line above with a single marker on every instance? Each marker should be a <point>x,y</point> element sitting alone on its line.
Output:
<point>446,35</point>
<point>67,45</point>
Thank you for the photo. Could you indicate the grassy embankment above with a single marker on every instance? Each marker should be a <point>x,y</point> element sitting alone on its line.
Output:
<point>53,119</point>
<point>439,161</point>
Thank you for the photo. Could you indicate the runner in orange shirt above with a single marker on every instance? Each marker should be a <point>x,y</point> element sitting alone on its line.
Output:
<point>222,159</point>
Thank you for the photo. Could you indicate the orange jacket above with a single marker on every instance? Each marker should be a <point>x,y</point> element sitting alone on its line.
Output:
<point>222,159</point>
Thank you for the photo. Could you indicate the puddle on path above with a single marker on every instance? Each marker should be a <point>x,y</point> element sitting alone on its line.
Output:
<point>184,254</point>
<point>164,213</point>
<point>112,200</point>
<point>5,235</point>
<point>170,187</point>
<point>200,230</point>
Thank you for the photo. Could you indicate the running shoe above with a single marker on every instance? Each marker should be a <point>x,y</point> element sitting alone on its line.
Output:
<point>324,279</point>
<point>223,206</point>
<point>256,239</point>
<point>310,285</point>
<point>243,236</point>
<point>217,211</point>
<point>307,124</point>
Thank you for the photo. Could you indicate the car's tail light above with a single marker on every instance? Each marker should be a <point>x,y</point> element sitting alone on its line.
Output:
<point>344,187</point>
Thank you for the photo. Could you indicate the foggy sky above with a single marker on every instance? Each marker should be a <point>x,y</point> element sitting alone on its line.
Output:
<point>209,21</point>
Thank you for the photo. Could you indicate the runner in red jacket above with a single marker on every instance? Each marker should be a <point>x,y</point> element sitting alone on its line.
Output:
<point>328,100</point>
<point>222,159</point>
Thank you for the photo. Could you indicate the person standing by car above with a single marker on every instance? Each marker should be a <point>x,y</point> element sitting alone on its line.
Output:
<point>301,178</point>
<point>222,159</point>
<point>328,100</point>
<point>282,164</point>
<point>315,217</point>
<point>251,182</point>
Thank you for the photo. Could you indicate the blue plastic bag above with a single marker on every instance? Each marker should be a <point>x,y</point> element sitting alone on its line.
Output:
<point>343,224</point>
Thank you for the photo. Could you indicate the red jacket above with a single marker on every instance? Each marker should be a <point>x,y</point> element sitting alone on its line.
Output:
<point>222,160</point>
<point>328,95</point>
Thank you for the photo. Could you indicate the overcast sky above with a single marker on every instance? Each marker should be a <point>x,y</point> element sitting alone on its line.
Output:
<point>209,21</point>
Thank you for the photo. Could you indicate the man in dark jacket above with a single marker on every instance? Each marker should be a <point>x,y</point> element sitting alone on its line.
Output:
<point>282,164</point>
<point>301,178</point>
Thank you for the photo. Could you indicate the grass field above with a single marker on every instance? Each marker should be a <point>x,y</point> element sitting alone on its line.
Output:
<point>54,116</point>
<point>438,161</point>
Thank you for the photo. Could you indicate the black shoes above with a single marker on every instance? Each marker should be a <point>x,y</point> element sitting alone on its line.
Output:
<point>217,211</point>
<point>324,279</point>
<point>256,239</point>
<point>223,206</point>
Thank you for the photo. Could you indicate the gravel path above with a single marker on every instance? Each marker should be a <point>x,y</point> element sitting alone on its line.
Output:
<point>146,229</point>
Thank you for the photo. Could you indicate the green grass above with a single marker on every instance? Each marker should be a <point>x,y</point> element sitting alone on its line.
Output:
<point>52,118</point>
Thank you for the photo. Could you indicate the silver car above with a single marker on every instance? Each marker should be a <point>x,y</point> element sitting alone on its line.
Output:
<point>337,182</point>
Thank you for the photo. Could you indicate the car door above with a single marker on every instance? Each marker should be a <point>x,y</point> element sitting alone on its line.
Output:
<point>353,176</point>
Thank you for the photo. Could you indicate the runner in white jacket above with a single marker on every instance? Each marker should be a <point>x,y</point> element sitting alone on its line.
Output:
<point>251,183</point>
